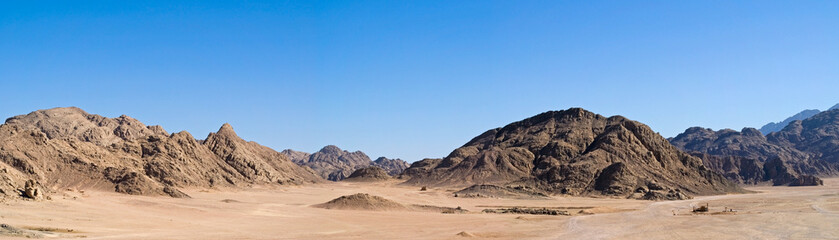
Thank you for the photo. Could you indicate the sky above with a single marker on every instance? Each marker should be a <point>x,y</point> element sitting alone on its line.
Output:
<point>417,79</point>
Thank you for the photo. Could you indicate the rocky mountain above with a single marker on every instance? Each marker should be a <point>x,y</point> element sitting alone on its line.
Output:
<point>70,148</point>
<point>334,164</point>
<point>774,127</point>
<point>574,152</point>
<point>794,155</point>
<point>393,167</point>
<point>297,156</point>
<point>369,174</point>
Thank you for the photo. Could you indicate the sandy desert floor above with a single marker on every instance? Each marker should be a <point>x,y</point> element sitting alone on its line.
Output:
<point>287,213</point>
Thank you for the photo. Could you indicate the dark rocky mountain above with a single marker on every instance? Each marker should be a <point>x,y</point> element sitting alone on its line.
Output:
<point>334,164</point>
<point>369,174</point>
<point>70,148</point>
<point>574,152</point>
<point>393,167</point>
<point>774,127</point>
<point>818,135</point>
<point>800,151</point>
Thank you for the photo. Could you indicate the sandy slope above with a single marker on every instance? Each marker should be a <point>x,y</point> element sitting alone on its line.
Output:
<point>775,213</point>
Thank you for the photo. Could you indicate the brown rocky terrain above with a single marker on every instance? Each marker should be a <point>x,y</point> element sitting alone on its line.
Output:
<point>69,148</point>
<point>792,156</point>
<point>334,164</point>
<point>574,152</point>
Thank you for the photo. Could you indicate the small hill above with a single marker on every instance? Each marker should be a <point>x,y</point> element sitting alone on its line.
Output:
<point>362,201</point>
<point>368,174</point>
<point>574,152</point>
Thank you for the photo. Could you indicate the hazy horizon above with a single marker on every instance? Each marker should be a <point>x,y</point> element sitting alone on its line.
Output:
<point>413,80</point>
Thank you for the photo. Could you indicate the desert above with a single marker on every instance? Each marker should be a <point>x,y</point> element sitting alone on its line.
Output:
<point>429,119</point>
<point>291,213</point>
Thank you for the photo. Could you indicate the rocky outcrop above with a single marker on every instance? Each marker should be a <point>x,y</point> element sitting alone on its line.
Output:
<point>69,148</point>
<point>573,152</point>
<point>335,164</point>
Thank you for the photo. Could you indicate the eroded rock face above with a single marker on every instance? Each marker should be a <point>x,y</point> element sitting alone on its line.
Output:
<point>796,154</point>
<point>67,147</point>
<point>573,152</point>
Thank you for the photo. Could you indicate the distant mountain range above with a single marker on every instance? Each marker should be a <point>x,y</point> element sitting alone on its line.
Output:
<point>774,127</point>
<point>335,164</point>
<point>794,155</point>
<point>572,152</point>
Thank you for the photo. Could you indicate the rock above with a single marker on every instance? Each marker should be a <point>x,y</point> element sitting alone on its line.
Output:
<point>807,180</point>
<point>31,190</point>
<point>10,231</point>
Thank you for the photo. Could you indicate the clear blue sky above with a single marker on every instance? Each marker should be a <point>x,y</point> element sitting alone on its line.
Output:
<point>415,79</point>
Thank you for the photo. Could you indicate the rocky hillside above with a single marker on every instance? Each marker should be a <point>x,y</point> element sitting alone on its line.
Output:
<point>802,150</point>
<point>574,152</point>
<point>335,164</point>
<point>70,148</point>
